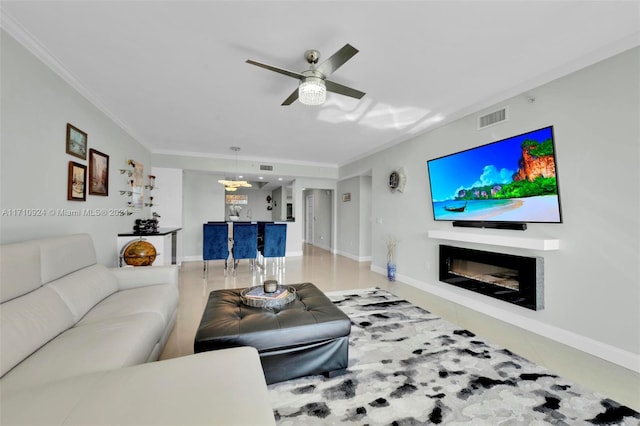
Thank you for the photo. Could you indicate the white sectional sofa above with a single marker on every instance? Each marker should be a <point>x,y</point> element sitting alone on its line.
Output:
<point>78,339</point>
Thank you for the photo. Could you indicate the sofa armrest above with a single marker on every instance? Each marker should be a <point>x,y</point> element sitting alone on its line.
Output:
<point>142,276</point>
<point>224,387</point>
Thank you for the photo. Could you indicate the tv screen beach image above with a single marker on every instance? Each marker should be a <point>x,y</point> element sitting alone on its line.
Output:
<point>511,180</point>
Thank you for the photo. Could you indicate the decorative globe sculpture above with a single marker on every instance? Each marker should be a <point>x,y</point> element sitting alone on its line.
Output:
<point>139,253</point>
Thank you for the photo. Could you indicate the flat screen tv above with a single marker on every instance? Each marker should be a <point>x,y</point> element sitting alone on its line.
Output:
<point>513,180</point>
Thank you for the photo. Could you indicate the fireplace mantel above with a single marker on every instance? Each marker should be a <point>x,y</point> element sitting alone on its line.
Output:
<point>533,243</point>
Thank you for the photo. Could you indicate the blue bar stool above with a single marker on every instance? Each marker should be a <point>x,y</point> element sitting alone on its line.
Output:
<point>245,243</point>
<point>275,241</point>
<point>215,244</point>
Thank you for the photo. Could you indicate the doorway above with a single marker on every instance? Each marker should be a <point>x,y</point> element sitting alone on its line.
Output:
<point>318,226</point>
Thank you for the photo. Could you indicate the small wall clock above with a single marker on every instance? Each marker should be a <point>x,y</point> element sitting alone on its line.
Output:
<point>397,180</point>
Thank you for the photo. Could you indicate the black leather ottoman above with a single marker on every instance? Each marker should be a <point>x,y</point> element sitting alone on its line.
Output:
<point>308,336</point>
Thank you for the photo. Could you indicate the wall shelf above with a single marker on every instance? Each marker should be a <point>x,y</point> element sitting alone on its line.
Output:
<point>533,243</point>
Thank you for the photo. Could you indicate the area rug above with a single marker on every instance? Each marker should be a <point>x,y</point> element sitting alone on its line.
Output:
<point>410,367</point>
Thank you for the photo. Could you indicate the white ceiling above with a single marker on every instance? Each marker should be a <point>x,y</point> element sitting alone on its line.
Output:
<point>173,73</point>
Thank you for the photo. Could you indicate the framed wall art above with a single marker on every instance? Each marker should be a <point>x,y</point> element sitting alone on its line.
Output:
<point>76,142</point>
<point>98,173</point>
<point>346,197</point>
<point>76,182</point>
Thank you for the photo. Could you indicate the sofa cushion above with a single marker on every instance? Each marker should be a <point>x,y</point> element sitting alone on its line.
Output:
<point>140,277</point>
<point>161,300</point>
<point>63,255</point>
<point>29,322</point>
<point>83,289</point>
<point>19,270</point>
<point>223,387</point>
<point>112,343</point>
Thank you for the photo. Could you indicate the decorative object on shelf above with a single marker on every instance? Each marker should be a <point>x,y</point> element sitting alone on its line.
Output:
<point>138,172</point>
<point>397,180</point>
<point>146,226</point>
<point>346,197</point>
<point>76,184</point>
<point>392,244</point>
<point>270,286</point>
<point>233,185</point>
<point>137,197</point>
<point>152,181</point>
<point>139,253</point>
<point>136,185</point>
<point>258,298</point>
<point>76,142</point>
<point>98,173</point>
<point>234,212</point>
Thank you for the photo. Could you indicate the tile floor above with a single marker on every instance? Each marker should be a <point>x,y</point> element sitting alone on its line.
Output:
<point>332,272</point>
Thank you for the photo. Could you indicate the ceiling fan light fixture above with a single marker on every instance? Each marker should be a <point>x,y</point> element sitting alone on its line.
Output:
<point>312,91</point>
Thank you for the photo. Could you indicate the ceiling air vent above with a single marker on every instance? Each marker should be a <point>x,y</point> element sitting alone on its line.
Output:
<point>492,118</point>
<point>266,167</point>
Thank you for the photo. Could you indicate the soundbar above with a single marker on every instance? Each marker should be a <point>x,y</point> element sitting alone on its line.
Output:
<point>518,226</point>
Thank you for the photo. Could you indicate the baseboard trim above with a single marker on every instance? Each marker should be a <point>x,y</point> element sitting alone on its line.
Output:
<point>322,246</point>
<point>577,341</point>
<point>353,256</point>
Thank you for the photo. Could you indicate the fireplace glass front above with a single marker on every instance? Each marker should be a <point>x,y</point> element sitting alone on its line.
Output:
<point>513,279</point>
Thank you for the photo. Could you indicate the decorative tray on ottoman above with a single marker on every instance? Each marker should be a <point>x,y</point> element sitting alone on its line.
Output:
<point>256,297</point>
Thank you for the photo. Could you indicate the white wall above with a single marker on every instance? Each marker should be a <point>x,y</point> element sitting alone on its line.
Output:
<point>278,204</point>
<point>167,197</point>
<point>353,241</point>
<point>36,106</point>
<point>203,202</point>
<point>592,290</point>
<point>365,218</point>
<point>348,235</point>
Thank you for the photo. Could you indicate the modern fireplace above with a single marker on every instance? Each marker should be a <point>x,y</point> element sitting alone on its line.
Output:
<point>514,279</point>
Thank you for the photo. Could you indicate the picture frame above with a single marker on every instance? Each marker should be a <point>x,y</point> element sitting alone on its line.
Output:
<point>76,183</point>
<point>98,173</point>
<point>76,142</point>
<point>346,197</point>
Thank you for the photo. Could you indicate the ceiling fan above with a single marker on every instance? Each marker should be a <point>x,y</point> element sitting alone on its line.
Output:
<point>313,86</point>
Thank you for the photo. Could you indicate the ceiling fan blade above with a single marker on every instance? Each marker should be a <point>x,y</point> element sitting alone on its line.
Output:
<point>337,60</point>
<point>275,69</point>
<point>291,99</point>
<point>343,90</point>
